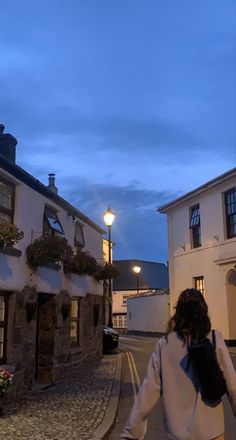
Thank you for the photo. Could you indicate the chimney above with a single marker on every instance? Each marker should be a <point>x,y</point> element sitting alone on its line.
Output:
<point>51,183</point>
<point>7,145</point>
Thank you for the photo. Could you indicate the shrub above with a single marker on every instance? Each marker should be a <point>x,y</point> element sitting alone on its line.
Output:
<point>9,234</point>
<point>81,263</point>
<point>106,271</point>
<point>48,249</point>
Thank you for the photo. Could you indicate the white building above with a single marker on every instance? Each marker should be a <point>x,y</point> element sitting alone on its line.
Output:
<point>153,276</point>
<point>47,319</point>
<point>148,313</point>
<point>202,248</point>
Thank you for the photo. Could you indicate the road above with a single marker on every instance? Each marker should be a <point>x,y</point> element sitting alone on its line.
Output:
<point>136,353</point>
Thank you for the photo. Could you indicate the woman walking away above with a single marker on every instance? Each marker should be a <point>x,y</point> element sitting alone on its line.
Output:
<point>191,390</point>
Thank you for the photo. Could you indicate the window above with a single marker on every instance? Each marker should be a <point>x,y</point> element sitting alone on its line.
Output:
<point>51,223</point>
<point>7,193</point>
<point>195,226</point>
<point>3,327</point>
<point>120,321</point>
<point>124,301</point>
<point>79,235</point>
<point>199,284</point>
<point>75,321</point>
<point>230,211</point>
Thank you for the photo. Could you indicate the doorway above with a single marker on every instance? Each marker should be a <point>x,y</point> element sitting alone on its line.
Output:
<point>231,302</point>
<point>45,338</point>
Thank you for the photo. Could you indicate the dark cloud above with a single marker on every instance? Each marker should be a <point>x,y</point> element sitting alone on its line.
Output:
<point>121,91</point>
<point>139,231</point>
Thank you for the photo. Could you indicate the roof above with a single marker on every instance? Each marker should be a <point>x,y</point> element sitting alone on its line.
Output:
<point>36,185</point>
<point>208,185</point>
<point>149,293</point>
<point>153,275</point>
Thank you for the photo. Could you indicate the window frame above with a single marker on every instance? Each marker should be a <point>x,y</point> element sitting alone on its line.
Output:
<point>124,300</point>
<point>4,325</point>
<point>77,321</point>
<point>77,243</point>
<point>49,229</point>
<point>6,211</point>
<point>195,226</point>
<point>228,216</point>
<point>201,280</point>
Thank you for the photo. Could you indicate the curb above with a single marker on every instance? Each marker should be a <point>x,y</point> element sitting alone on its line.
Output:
<point>109,418</point>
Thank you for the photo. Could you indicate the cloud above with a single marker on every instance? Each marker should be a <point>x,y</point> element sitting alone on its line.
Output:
<point>139,231</point>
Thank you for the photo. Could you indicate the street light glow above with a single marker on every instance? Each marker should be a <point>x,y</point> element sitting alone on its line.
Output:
<point>108,216</point>
<point>137,269</point>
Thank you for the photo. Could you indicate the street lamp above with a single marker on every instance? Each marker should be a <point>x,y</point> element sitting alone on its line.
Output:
<point>137,270</point>
<point>109,217</point>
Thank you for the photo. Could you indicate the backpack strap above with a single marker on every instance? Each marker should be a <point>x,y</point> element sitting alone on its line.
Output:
<point>214,339</point>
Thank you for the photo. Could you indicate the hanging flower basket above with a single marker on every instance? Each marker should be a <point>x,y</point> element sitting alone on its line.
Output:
<point>48,249</point>
<point>81,263</point>
<point>9,234</point>
<point>107,271</point>
<point>5,382</point>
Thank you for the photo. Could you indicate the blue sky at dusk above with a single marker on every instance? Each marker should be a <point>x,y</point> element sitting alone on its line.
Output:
<point>131,103</point>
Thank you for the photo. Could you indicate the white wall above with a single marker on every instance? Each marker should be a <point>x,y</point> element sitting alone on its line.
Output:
<point>28,216</point>
<point>148,313</point>
<point>213,259</point>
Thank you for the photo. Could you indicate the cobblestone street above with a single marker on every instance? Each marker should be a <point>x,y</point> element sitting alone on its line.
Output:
<point>71,409</point>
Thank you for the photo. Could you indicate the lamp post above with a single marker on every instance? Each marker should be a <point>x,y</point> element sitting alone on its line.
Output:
<point>109,217</point>
<point>137,270</point>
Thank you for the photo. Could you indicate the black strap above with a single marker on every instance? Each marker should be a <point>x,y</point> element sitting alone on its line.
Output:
<point>214,339</point>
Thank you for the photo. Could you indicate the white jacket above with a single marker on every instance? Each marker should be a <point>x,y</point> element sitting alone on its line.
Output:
<point>186,416</point>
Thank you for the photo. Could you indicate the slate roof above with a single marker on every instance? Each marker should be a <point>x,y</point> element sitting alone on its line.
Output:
<point>152,276</point>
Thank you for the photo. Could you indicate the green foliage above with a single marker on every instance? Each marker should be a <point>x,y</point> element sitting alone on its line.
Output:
<point>48,249</point>
<point>80,263</point>
<point>106,271</point>
<point>9,234</point>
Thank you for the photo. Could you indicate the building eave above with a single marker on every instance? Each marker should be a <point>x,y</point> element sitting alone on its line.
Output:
<point>208,185</point>
<point>22,175</point>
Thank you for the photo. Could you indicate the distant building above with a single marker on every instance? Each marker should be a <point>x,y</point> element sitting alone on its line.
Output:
<point>153,277</point>
<point>48,320</point>
<point>149,312</point>
<point>202,248</point>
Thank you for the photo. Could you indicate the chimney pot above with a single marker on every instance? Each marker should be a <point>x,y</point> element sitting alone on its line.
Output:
<point>7,145</point>
<point>51,183</point>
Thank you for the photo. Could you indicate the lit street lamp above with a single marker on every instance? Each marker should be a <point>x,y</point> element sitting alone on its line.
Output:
<point>109,217</point>
<point>137,270</point>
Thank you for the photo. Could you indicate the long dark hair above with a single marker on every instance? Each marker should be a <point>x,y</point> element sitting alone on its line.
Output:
<point>191,316</point>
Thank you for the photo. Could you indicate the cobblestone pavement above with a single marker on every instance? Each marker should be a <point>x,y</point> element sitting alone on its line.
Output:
<point>71,409</point>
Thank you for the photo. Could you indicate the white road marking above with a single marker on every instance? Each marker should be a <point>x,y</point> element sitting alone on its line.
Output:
<point>132,375</point>
<point>136,375</point>
<point>135,380</point>
<point>128,339</point>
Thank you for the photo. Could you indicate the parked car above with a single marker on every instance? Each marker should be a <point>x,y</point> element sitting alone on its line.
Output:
<point>110,338</point>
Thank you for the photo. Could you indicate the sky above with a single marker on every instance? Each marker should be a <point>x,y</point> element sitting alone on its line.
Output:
<point>131,103</point>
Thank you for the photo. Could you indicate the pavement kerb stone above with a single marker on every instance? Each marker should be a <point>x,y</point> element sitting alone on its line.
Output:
<point>109,418</point>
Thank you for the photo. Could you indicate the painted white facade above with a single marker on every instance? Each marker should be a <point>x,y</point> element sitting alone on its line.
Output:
<point>28,216</point>
<point>214,260</point>
<point>148,313</point>
<point>120,300</point>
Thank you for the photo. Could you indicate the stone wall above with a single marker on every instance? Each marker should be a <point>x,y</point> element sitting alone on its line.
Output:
<point>90,332</point>
<point>21,338</point>
<point>39,336</point>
